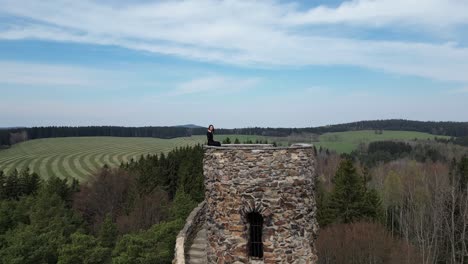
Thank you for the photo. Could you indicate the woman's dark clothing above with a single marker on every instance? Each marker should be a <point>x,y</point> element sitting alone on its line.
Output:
<point>211,142</point>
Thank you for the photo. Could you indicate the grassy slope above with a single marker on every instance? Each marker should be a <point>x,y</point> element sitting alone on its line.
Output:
<point>79,157</point>
<point>348,141</point>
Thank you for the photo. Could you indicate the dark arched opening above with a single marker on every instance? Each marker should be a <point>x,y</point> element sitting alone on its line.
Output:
<point>255,237</point>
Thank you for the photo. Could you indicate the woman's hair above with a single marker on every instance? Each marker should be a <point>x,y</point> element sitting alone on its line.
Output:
<point>211,126</point>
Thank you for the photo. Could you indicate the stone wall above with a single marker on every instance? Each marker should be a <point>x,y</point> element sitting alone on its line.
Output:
<point>194,222</point>
<point>278,183</point>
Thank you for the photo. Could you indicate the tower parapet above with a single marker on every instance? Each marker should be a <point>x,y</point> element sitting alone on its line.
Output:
<point>260,204</point>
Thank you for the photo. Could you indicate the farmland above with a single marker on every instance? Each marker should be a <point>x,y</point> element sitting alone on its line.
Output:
<point>345,142</point>
<point>78,157</point>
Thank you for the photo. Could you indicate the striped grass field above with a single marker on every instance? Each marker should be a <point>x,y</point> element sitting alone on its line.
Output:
<point>78,157</point>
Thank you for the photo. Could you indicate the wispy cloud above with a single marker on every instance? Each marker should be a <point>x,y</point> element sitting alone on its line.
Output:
<point>381,13</point>
<point>27,74</point>
<point>44,74</point>
<point>214,84</point>
<point>460,91</point>
<point>277,35</point>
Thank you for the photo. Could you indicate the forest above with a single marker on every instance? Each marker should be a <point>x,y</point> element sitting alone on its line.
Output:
<point>394,202</point>
<point>387,202</point>
<point>129,214</point>
<point>15,135</point>
<point>457,130</point>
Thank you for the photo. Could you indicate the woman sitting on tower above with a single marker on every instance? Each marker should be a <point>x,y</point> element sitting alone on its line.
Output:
<point>209,135</point>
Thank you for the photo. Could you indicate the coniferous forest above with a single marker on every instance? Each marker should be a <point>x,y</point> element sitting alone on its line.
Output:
<point>130,214</point>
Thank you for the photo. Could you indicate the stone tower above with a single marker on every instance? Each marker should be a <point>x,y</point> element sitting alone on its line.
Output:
<point>260,204</point>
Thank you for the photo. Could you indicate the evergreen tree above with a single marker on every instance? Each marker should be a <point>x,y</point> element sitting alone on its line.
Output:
<point>155,245</point>
<point>3,180</point>
<point>48,226</point>
<point>11,189</point>
<point>60,187</point>
<point>324,215</point>
<point>462,171</point>
<point>236,141</point>
<point>12,214</point>
<point>83,249</point>
<point>108,233</point>
<point>182,205</point>
<point>28,182</point>
<point>349,200</point>
<point>18,184</point>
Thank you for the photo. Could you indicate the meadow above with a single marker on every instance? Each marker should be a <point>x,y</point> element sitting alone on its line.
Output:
<point>78,157</point>
<point>345,142</point>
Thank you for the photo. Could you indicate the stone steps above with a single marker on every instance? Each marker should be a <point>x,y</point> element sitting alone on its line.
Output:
<point>197,251</point>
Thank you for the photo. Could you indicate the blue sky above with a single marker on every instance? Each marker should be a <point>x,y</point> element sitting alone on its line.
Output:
<point>232,63</point>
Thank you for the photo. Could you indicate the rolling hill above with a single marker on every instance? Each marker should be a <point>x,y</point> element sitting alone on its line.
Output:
<point>78,157</point>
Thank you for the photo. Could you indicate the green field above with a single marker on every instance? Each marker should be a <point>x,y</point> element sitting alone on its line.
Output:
<point>345,142</point>
<point>80,156</point>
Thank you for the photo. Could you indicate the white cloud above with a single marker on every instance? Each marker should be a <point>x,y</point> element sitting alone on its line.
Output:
<point>254,34</point>
<point>214,84</point>
<point>43,74</point>
<point>372,13</point>
<point>26,74</point>
<point>460,91</point>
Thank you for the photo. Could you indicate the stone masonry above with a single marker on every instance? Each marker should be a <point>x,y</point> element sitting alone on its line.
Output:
<point>276,182</point>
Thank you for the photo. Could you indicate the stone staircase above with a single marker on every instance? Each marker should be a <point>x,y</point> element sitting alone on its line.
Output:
<point>197,251</point>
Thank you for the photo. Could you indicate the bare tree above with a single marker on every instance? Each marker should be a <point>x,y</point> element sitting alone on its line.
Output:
<point>106,193</point>
<point>149,209</point>
<point>363,243</point>
<point>18,137</point>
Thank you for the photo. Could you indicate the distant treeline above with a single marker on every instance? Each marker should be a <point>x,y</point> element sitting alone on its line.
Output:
<point>11,136</point>
<point>15,135</point>
<point>453,129</point>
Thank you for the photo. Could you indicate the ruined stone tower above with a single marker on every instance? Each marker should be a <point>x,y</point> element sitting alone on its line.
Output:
<point>260,205</point>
